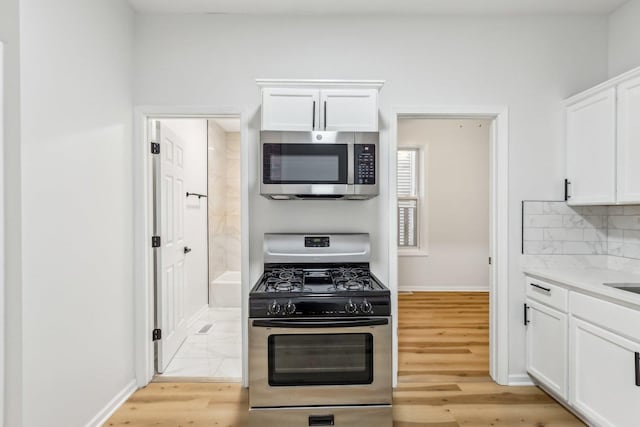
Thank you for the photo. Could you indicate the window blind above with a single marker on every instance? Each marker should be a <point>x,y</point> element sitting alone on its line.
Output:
<point>407,180</point>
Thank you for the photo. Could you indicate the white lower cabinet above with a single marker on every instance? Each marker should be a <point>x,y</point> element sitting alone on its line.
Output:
<point>585,350</point>
<point>547,346</point>
<point>605,377</point>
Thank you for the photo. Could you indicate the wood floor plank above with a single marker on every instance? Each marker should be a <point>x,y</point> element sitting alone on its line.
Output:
<point>443,339</point>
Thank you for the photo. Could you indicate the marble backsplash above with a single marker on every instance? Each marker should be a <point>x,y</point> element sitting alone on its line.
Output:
<point>550,227</point>
<point>624,231</point>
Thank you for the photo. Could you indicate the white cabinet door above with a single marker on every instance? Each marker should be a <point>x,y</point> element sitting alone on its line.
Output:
<point>629,141</point>
<point>349,110</point>
<point>547,345</point>
<point>604,384</point>
<point>591,148</point>
<point>290,109</point>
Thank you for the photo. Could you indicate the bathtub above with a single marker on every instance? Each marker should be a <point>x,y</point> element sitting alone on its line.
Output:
<point>225,290</point>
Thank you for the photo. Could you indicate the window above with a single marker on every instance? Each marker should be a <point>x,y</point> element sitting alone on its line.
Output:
<point>408,197</point>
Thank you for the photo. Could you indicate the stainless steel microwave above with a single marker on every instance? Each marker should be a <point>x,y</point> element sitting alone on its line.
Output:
<point>319,165</point>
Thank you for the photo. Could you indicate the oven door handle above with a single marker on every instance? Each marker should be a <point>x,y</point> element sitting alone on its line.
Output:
<point>307,324</point>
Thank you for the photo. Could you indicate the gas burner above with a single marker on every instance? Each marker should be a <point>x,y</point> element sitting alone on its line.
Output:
<point>352,285</point>
<point>285,286</point>
<point>348,273</point>
<point>286,273</point>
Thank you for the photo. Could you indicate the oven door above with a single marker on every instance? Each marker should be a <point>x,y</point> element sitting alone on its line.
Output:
<point>320,361</point>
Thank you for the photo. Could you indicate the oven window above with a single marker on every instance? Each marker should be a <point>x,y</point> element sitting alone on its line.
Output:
<point>320,359</point>
<point>305,163</point>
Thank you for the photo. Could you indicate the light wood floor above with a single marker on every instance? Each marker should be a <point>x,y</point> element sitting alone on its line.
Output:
<point>443,379</point>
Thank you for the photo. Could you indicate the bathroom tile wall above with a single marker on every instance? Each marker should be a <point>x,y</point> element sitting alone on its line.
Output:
<point>224,200</point>
<point>232,220</point>
<point>217,153</point>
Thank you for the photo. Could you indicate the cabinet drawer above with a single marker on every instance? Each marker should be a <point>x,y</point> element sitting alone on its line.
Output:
<point>619,319</point>
<point>546,293</point>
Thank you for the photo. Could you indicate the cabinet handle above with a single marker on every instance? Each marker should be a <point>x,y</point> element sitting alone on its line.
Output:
<point>325,115</point>
<point>637,369</point>
<point>541,287</point>
<point>313,116</point>
<point>526,318</point>
<point>567,183</point>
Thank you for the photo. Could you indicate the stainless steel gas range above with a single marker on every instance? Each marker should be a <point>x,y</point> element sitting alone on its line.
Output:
<point>319,335</point>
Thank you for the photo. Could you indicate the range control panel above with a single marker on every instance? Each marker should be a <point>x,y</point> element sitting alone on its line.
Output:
<point>365,164</point>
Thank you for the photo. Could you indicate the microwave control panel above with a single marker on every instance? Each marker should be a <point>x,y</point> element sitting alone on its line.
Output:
<point>365,164</point>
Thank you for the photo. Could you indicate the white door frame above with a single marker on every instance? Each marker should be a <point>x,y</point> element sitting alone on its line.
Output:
<point>143,224</point>
<point>3,389</point>
<point>499,218</point>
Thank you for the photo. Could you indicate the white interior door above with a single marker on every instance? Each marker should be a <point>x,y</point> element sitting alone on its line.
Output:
<point>170,271</point>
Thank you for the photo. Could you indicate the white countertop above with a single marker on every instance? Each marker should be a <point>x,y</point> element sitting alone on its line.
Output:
<point>587,273</point>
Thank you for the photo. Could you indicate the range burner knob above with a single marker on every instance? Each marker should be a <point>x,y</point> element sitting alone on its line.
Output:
<point>350,307</point>
<point>366,306</point>
<point>274,307</point>
<point>290,308</point>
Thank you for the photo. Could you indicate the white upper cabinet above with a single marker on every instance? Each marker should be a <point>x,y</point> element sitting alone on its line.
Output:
<point>349,110</point>
<point>603,143</point>
<point>629,141</point>
<point>331,105</point>
<point>591,148</point>
<point>290,109</point>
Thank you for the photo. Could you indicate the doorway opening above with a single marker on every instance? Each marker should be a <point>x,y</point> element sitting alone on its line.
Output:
<point>496,118</point>
<point>196,213</point>
<point>443,205</point>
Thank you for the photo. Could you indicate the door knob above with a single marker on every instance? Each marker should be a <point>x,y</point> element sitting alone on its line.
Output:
<point>187,249</point>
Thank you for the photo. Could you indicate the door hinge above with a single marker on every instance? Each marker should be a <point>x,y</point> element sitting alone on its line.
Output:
<point>155,241</point>
<point>155,148</point>
<point>490,260</point>
<point>157,334</point>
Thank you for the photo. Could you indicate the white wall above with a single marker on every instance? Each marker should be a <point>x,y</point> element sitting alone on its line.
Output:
<point>11,314</point>
<point>194,134</point>
<point>77,208</point>
<point>624,38</point>
<point>528,64</point>
<point>454,221</point>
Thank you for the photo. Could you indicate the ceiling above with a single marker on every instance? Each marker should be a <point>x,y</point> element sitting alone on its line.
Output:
<point>380,7</point>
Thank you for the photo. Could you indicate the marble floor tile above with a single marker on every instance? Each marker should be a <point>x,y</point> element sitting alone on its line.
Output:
<point>214,355</point>
<point>193,367</point>
<point>230,369</point>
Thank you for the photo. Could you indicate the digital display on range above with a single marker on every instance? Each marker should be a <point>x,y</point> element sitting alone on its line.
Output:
<point>316,242</point>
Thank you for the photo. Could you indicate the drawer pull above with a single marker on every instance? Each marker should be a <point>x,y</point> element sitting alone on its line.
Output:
<point>637,369</point>
<point>321,420</point>
<point>541,287</point>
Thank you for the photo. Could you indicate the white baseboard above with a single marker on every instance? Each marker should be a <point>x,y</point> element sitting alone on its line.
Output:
<point>197,315</point>
<point>520,380</point>
<point>436,288</point>
<point>114,404</point>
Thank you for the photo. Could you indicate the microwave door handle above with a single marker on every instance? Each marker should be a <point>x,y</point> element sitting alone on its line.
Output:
<point>308,324</point>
